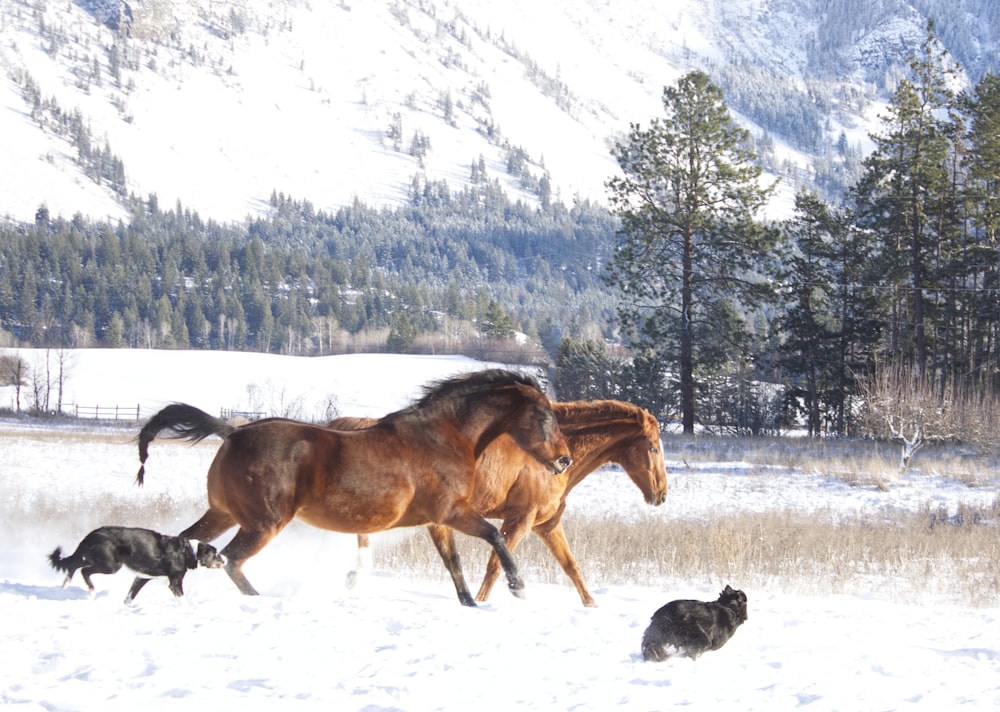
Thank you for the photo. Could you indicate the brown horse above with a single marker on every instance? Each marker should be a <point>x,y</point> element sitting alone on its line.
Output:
<point>510,486</point>
<point>414,466</point>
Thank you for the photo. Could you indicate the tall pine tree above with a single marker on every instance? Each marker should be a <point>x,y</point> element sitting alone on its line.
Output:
<point>906,199</point>
<point>687,199</point>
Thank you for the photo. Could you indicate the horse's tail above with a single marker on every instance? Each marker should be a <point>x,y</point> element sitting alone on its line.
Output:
<point>186,422</point>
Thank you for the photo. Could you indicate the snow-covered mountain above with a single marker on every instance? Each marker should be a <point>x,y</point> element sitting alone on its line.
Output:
<point>217,105</point>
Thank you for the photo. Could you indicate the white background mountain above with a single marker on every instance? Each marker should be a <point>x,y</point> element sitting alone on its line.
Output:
<point>216,105</point>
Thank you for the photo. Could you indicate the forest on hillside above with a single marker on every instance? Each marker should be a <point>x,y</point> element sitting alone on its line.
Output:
<point>891,260</point>
<point>305,282</point>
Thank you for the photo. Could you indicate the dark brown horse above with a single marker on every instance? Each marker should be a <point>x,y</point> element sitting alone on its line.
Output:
<point>511,486</point>
<point>414,466</point>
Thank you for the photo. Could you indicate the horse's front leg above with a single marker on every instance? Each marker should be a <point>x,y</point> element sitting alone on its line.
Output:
<point>444,540</point>
<point>551,532</point>
<point>473,524</point>
<point>513,530</point>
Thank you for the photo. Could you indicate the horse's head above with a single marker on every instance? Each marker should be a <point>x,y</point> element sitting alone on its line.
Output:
<point>536,431</point>
<point>642,459</point>
<point>486,404</point>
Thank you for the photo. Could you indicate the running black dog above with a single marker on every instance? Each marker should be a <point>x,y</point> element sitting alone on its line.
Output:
<point>106,549</point>
<point>693,627</point>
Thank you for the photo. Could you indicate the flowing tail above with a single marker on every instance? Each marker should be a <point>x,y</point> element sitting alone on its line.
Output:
<point>186,422</point>
<point>67,566</point>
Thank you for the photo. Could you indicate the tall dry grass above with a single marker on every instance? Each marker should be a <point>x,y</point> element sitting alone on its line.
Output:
<point>908,555</point>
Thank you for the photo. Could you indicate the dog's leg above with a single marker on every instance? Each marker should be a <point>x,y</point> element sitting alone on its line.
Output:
<point>137,585</point>
<point>175,585</point>
<point>86,572</point>
<point>654,647</point>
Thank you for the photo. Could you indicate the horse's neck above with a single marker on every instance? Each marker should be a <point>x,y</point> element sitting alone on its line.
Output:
<point>594,443</point>
<point>482,425</point>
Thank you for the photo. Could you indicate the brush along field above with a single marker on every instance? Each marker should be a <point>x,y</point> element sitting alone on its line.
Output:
<point>816,518</point>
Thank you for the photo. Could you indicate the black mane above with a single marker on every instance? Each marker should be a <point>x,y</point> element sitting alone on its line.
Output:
<point>466,383</point>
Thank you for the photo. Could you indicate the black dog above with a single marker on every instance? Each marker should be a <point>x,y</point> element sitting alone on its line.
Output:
<point>692,627</point>
<point>106,549</point>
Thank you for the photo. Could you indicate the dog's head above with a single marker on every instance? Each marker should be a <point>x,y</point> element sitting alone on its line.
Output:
<point>736,601</point>
<point>205,555</point>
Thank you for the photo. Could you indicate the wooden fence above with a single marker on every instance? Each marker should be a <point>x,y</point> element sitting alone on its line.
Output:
<point>227,414</point>
<point>107,412</point>
<point>119,412</point>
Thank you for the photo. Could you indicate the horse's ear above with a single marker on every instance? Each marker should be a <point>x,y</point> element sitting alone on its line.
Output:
<point>728,590</point>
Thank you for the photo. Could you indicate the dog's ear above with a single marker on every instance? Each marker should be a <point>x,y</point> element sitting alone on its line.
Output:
<point>190,553</point>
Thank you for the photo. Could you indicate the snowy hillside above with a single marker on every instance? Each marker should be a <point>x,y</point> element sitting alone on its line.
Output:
<point>219,105</point>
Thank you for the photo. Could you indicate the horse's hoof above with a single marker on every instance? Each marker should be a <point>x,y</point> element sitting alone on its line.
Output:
<point>466,600</point>
<point>352,579</point>
<point>518,591</point>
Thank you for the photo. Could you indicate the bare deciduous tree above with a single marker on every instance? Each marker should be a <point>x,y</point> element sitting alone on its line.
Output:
<point>901,405</point>
<point>14,372</point>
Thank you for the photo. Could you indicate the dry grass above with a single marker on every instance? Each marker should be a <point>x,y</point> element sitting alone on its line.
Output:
<point>853,461</point>
<point>908,557</point>
<point>905,555</point>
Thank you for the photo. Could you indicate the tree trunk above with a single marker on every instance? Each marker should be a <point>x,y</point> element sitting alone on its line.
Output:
<point>687,339</point>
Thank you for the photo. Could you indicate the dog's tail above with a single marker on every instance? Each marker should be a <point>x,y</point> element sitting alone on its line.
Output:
<point>653,647</point>
<point>186,422</point>
<point>61,564</point>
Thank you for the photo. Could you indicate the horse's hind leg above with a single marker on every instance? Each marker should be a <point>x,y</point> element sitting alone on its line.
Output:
<point>513,532</point>
<point>363,566</point>
<point>210,526</point>
<point>473,524</point>
<point>245,544</point>
<point>444,540</point>
<point>554,537</point>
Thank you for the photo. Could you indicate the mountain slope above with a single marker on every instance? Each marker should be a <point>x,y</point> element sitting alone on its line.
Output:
<point>218,105</point>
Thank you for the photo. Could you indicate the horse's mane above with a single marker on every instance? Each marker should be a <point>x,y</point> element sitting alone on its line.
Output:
<point>591,413</point>
<point>467,383</point>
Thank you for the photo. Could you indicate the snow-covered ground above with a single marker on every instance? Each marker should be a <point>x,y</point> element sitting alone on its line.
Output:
<point>402,642</point>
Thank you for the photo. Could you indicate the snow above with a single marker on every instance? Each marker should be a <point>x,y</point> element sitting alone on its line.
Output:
<point>403,642</point>
<point>300,102</point>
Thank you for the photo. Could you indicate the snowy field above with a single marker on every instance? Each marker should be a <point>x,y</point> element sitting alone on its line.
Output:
<point>404,643</point>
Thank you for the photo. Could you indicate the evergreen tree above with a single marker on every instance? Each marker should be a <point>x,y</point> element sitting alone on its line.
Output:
<point>643,381</point>
<point>401,335</point>
<point>585,371</point>
<point>983,196</point>
<point>905,197</point>
<point>689,243</point>
<point>812,323</point>
<point>495,322</point>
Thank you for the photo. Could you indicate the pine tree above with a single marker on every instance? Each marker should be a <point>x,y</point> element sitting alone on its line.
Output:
<point>496,323</point>
<point>905,197</point>
<point>687,202</point>
<point>585,371</point>
<point>826,327</point>
<point>983,198</point>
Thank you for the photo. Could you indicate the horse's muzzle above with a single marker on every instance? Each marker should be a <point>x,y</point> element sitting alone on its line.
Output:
<point>561,464</point>
<point>657,498</point>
